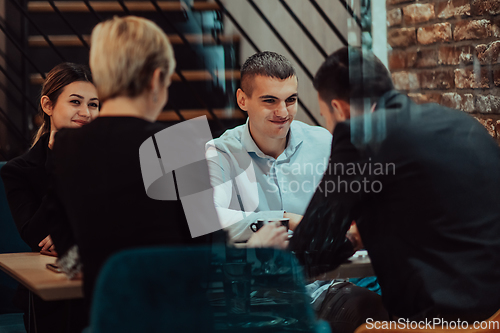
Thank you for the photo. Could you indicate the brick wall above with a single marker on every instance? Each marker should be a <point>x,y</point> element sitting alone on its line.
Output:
<point>448,52</point>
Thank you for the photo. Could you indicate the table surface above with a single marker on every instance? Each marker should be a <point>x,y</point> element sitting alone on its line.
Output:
<point>29,269</point>
<point>356,267</point>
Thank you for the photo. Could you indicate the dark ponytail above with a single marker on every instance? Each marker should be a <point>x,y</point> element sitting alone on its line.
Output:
<point>58,78</point>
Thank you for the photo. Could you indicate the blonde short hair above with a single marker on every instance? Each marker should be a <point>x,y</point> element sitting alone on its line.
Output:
<point>124,53</point>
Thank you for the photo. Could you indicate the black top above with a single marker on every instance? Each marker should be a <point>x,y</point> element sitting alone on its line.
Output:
<point>98,180</point>
<point>26,180</point>
<point>431,220</point>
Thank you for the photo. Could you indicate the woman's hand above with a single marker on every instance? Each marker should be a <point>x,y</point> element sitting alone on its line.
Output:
<point>294,220</point>
<point>270,235</point>
<point>52,138</point>
<point>48,247</point>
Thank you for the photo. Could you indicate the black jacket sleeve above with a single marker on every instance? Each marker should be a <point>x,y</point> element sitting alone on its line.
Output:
<point>28,208</point>
<point>60,228</point>
<point>319,240</point>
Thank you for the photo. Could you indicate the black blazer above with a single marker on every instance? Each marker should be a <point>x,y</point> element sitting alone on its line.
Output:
<point>100,198</point>
<point>425,192</point>
<point>26,180</point>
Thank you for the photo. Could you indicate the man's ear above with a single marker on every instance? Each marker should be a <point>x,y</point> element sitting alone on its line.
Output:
<point>241,99</point>
<point>341,109</point>
<point>46,104</point>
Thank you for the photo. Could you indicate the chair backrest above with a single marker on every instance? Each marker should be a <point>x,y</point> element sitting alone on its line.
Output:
<point>10,242</point>
<point>181,289</point>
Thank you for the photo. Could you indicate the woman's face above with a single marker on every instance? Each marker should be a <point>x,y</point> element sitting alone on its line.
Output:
<point>76,106</point>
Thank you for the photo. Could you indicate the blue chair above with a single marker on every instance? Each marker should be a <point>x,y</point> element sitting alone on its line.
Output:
<point>10,242</point>
<point>182,289</point>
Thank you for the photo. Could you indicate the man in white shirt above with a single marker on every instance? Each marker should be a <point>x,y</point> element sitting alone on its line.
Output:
<point>270,167</point>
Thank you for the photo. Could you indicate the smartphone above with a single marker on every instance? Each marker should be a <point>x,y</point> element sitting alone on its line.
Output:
<point>54,268</point>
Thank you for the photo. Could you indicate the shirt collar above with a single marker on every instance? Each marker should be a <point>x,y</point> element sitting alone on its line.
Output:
<point>294,140</point>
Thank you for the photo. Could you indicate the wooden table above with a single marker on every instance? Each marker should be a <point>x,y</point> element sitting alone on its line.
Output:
<point>357,267</point>
<point>29,269</point>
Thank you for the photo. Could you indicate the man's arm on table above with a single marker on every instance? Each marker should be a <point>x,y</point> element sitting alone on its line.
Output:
<point>334,205</point>
<point>235,199</point>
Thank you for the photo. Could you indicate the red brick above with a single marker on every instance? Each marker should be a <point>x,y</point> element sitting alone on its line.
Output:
<point>489,124</point>
<point>477,29</point>
<point>495,27</point>
<point>440,32</point>
<point>496,77</point>
<point>451,100</point>
<point>421,58</point>
<point>488,54</point>
<point>463,102</point>
<point>397,60</point>
<point>488,104</point>
<point>437,79</point>
<point>467,103</point>
<point>418,12</point>
<point>457,8</point>
<point>468,78</point>
<point>405,81</point>
<point>401,37</point>
<point>411,58</point>
<point>482,7</point>
<point>454,55</point>
<point>395,2</point>
<point>426,58</point>
<point>394,17</point>
<point>420,98</point>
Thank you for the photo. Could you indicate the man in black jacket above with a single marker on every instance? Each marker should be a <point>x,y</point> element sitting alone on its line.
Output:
<point>422,183</point>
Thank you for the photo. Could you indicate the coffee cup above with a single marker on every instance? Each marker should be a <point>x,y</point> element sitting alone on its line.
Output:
<point>255,226</point>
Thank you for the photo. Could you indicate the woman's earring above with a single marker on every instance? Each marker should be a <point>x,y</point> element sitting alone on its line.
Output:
<point>155,97</point>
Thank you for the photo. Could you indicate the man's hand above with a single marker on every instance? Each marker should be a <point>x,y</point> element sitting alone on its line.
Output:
<point>48,247</point>
<point>294,220</point>
<point>271,235</point>
<point>355,238</point>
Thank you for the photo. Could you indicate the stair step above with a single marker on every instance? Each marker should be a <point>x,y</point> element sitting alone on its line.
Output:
<point>114,6</point>
<point>194,75</point>
<point>170,115</point>
<point>72,40</point>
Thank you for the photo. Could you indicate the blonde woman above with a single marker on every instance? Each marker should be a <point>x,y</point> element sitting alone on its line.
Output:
<point>99,180</point>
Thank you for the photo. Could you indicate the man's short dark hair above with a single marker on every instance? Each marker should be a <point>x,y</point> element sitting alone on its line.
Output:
<point>351,74</point>
<point>266,63</point>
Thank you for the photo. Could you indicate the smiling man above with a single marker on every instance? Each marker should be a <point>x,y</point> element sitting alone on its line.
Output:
<point>269,167</point>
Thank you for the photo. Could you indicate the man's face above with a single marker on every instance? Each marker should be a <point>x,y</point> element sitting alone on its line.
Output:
<point>271,107</point>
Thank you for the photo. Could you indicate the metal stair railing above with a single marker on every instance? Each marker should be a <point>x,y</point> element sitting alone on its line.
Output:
<point>256,48</point>
<point>328,22</point>
<point>188,7</point>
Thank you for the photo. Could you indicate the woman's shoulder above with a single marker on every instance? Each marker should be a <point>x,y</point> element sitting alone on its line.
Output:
<point>34,158</point>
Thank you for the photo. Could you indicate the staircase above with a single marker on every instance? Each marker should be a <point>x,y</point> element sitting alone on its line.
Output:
<point>207,72</point>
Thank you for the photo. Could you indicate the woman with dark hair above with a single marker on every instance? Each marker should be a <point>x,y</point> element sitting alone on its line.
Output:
<point>68,99</point>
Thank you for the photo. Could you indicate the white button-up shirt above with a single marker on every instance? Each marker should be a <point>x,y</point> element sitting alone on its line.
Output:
<point>249,185</point>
